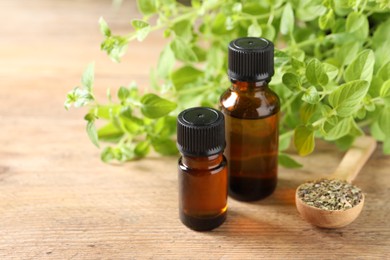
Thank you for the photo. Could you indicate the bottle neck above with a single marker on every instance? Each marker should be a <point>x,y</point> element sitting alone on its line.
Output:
<point>247,86</point>
<point>204,163</point>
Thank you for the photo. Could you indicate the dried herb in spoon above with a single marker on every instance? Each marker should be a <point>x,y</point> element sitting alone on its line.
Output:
<point>330,194</point>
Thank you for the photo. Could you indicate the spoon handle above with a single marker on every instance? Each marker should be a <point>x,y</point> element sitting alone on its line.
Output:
<point>355,158</point>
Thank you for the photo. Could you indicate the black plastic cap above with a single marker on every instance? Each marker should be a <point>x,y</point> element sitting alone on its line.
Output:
<point>251,59</point>
<point>200,132</point>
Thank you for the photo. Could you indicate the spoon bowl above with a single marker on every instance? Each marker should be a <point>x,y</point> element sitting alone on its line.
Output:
<point>327,218</point>
<point>350,166</point>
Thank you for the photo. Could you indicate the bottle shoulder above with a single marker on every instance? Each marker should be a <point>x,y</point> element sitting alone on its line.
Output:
<point>203,169</point>
<point>253,104</point>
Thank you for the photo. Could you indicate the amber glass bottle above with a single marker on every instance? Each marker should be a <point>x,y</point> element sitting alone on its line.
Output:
<point>202,171</point>
<point>251,112</point>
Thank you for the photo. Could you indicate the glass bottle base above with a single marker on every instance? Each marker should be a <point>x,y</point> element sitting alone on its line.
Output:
<point>251,189</point>
<point>202,224</point>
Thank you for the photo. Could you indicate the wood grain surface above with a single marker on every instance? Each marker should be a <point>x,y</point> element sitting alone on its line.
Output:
<point>59,201</point>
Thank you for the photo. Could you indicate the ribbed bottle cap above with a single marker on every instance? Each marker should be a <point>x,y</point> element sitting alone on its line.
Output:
<point>251,59</point>
<point>200,131</point>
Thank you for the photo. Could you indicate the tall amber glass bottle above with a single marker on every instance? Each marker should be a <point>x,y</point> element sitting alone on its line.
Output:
<point>251,112</point>
<point>203,176</point>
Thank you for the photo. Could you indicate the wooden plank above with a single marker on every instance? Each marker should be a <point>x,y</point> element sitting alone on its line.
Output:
<point>59,201</point>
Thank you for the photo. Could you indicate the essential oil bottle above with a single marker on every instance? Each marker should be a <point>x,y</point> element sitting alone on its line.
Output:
<point>251,112</point>
<point>203,180</point>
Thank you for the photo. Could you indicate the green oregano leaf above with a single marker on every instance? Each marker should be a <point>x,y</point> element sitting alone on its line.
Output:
<point>304,140</point>
<point>291,81</point>
<point>316,74</point>
<point>347,53</point>
<point>123,93</point>
<point>341,129</point>
<point>311,96</point>
<point>142,148</point>
<point>185,75</point>
<point>92,133</point>
<point>288,161</point>
<point>104,29</point>
<point>385,92</point>
<point>346,99</point>
<point>164,146</point>
<point>109,133</point>
<point>147,7</point>
<point>183,51</point>
<point>384,121</point>
<point>361,67</point>
<point>254,30</point>
<point>166,62</point>
<point>142,29</point>
<point>327,20</point>
<point>154,106</point>
<point>287,20</point>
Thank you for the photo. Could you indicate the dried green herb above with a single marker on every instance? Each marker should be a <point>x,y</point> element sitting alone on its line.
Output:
<point>330,194</point>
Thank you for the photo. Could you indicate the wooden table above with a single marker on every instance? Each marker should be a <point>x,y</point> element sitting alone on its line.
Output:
<point>59,201</point>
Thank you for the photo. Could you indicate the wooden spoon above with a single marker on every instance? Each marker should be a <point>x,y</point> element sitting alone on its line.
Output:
<point>348,169</point>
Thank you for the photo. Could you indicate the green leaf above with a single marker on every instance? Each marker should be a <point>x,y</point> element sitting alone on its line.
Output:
<point>268,31</point>
<point>284,142</point>
<point>384,121</point>
<point>288,162</point>
<point>166,61</point>
<point>92,133</point>
<point>309,10</point>
<point>348,52</point>
<point>381,34</point>
<point>154,106</point>
<point>109,133</point>
<point>185,75</point>
<point>147,7</point>
<point>107,154</point>
<point>142,148</point>
<point>218,26</point>
<point>385,92</point>
<point>292,81</point>
<point>304,140</point>
<point>115,46</point>
<point>361,67</point>
<point>142,29</point>
<point>104,29</point>
<point>347,98</point>
<point>330,70</point>
<point>357,25</point>
<point>254,30</point>
<point>183,29</point>
<point>123,93</point>
<point>164,146</point>
<point>316,74</point>
<point>287,20</point>
<point>131,124</point>
<point>107,111</point>
<point>88,77</point>
<point>345,142</point>
<point>311,96</point>
<point>78,97</point>
<point>307,111</point>
<point>327,20</point>
<point>165,126</point>
<point>341,129</point>
<point>183,51</point>
<point>376,132</point>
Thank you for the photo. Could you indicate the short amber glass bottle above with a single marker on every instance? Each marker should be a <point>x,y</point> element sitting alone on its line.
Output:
<point>251,112</point>
<point>202,168</point>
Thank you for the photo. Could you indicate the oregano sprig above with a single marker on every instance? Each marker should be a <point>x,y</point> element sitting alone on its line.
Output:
<point>332,72</point>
